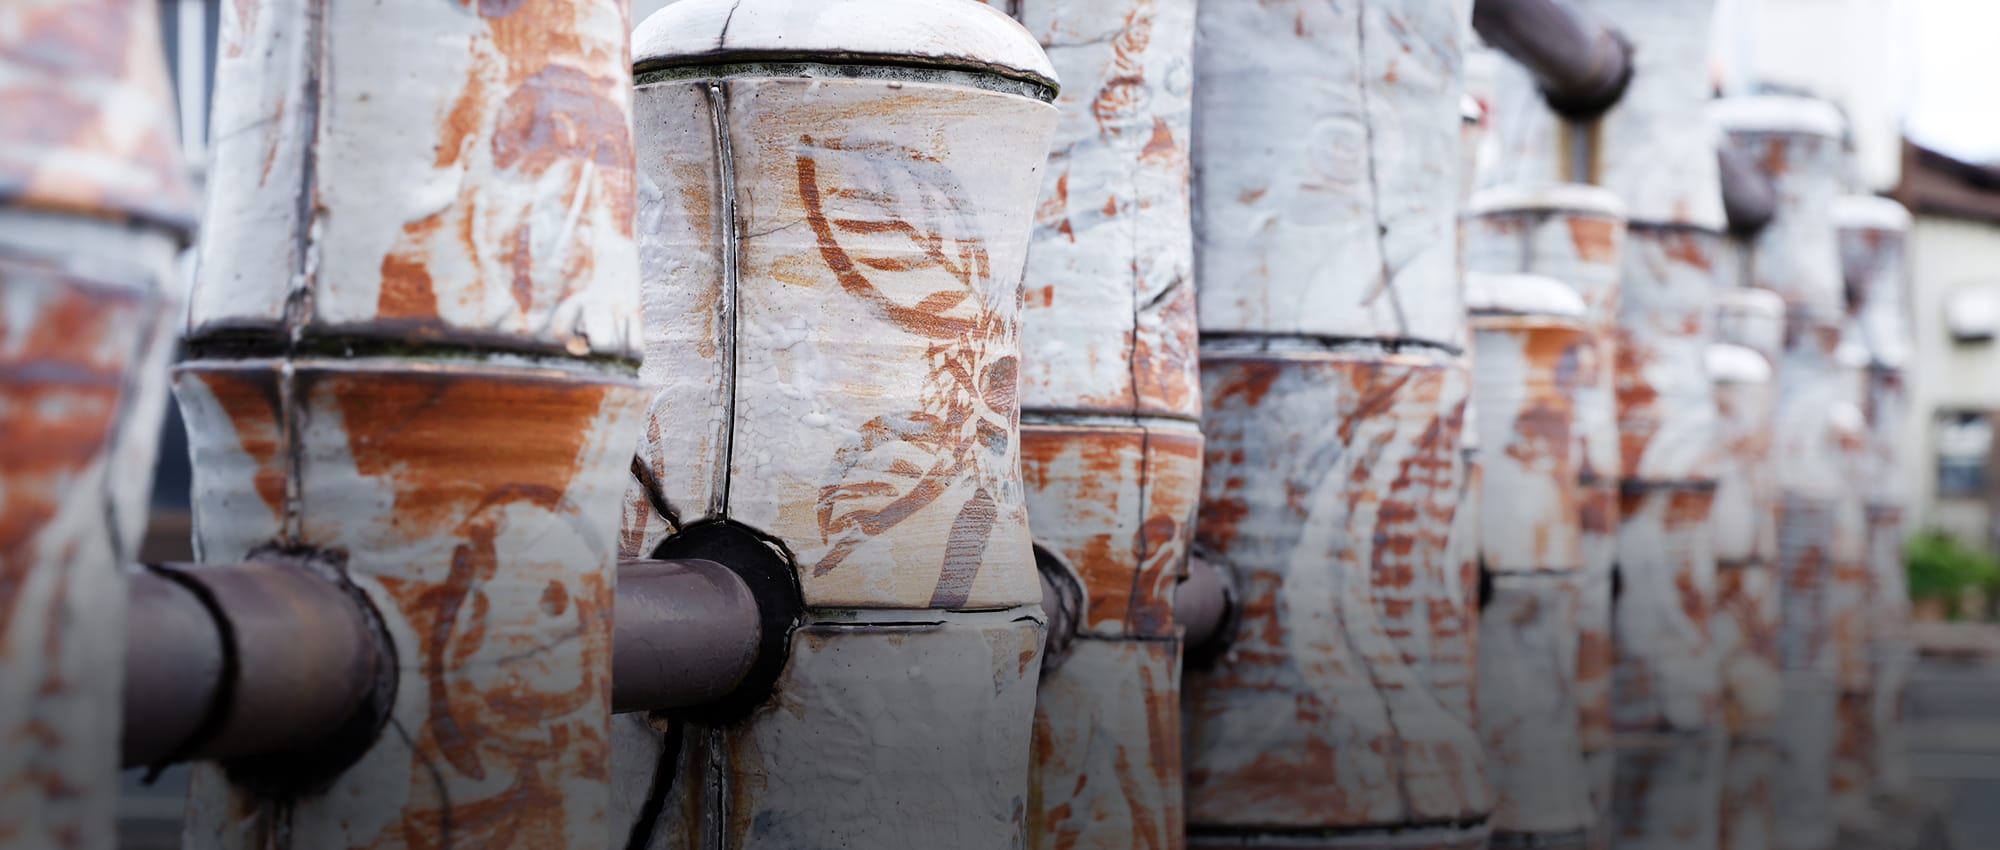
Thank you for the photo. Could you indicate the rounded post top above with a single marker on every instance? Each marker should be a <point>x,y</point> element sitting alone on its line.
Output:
<point>950,34</point>
<point>1870,212</point>
<point>1851,353</point>
<point>1778,114</point>
<point>1469,109</point>
<point>1752,302</point>
<point>1554,197</point>
<point>1521,295</point>
<point>1846,419</point>
<point>1729,363</point>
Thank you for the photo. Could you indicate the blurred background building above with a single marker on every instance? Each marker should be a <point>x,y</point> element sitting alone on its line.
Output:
<point>1911,78</point>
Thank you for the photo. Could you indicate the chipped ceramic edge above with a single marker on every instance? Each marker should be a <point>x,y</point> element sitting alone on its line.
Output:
<point>1555,197</point>
<point>957,34</point>
<point>1736,364</point>
<point>1778,114</point>
<point>1523,295</point>
<point>1870,212</point>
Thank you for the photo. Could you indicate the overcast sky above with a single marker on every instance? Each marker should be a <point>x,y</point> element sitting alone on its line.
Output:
<point>1955,105</point>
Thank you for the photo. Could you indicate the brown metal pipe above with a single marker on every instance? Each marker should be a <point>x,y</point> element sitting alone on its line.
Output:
<point>173,667</point>
<point>261,658</point>
<point>1063,601</point>
<point>1748,197</point>
<point>244,659</point>
<point>1581,66</point>
<point>1204,605</point>
<point>686,634</point>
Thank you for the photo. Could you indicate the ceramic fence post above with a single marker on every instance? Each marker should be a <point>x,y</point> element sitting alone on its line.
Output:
<point>1795,142</point>
<point>93,210</point>
<point>1873,233</point>
<point>836,201</point>
<point>1575,234</point>
<point>1530,333</point>
<point>410,368</point>
<point>1656,151</point>
<point>1333,393</point>
<point>1110,411</point>
<point>1750,324</point>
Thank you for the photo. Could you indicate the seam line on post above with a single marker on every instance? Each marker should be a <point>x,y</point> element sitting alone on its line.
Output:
<point>732,239</point>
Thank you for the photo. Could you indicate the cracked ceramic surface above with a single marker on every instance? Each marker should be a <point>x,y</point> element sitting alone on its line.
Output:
<point>1344,700</point>
<point>94,205</point>
<point>410,350</point>
<point>1325,184</point>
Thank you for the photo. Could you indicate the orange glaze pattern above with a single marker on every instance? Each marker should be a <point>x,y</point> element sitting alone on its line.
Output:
<point>412,345</point>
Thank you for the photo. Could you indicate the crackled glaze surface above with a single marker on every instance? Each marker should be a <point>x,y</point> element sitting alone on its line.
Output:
<point>93,206</point>
<point>1111,454</point>
<point>82,361</point>
<point>1666,403</point>
<point>1528,704</point>
<point>934,754</point>
<point>1108,323</point>
<point>881,447</point>
<point>1525,383</point>
<point>1575,234</point>
<point>1328,140</point>
<point>1115,502</point>
<point>411,348</point>
<point>1106,766</point>
<point>1796,255</point>
<point>1344,700</point>
<point>833,220</point>
<point>1668,790</point>
<point>93,129</point>
<point>1665,677</point>
<point>493,582</point>
<point>1325,185</point>
<point>490,164</point>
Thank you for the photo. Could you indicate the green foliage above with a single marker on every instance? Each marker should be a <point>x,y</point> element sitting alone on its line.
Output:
<point>1944,569</point>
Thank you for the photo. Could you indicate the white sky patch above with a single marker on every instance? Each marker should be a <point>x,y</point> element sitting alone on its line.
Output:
<point>1956,103</point>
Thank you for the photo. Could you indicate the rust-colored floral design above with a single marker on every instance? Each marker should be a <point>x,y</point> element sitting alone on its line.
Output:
<point>953,446</point>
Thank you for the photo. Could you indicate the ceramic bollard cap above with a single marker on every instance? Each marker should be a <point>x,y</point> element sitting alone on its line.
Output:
<point>1549,198</point>
<point>1869,212</point>
<point>1521,295</point>
<point>1729,363</point>
<point>1782,114</point>
<point>948,34</point>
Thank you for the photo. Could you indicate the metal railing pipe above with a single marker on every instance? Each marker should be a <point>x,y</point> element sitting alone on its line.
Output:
<point>173,667</point>
<point>94,206</point>
<point>260,658</point>
<point>1748,198</point>
<point>687,634</point>
<point>1204,604</point>
<point>242,660</point>
<point>1064,601</point>
<point>1581,66</point>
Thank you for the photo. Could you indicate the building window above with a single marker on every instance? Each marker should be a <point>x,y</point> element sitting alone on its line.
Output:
<point>1964,439</point>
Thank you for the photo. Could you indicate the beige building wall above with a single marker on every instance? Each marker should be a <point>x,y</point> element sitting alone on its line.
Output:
<point>1955,274</point>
